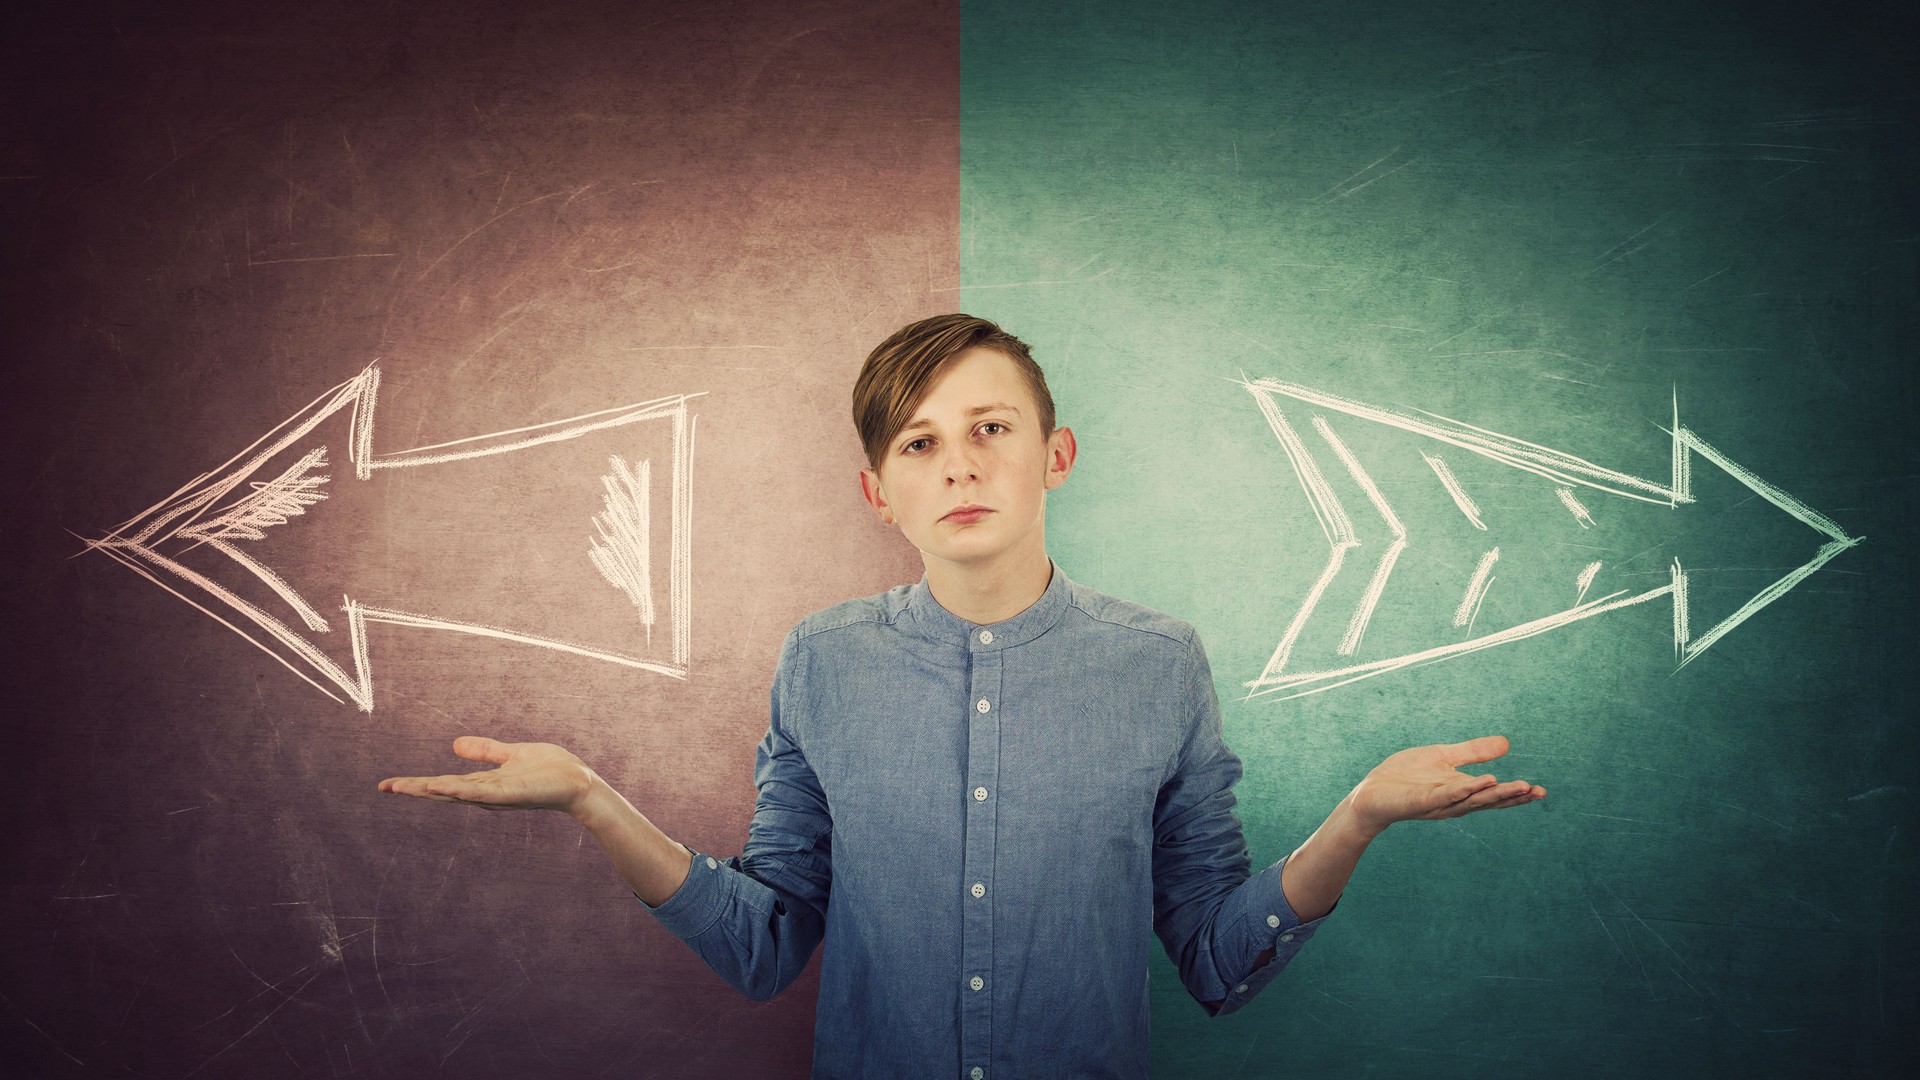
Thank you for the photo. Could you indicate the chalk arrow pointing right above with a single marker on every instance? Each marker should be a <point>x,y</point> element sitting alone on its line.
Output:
<point>1324,455</point>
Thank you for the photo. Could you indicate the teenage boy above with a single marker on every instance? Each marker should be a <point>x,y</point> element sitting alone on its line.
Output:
<point>983,789</point>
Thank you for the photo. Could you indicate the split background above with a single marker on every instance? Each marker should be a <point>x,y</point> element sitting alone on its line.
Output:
<point>1546,221</point>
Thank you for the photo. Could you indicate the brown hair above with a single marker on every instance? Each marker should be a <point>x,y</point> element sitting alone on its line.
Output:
<point>902,369</point>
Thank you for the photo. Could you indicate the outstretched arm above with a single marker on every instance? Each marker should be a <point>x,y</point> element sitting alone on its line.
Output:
<point>1421,782</point>
<point>542,776</point>
<point>754,919</point>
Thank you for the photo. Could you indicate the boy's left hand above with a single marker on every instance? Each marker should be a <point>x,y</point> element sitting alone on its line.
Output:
<point>1426,782</point>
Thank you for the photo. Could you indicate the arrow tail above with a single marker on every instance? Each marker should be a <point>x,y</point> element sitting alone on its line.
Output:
<point>1305,683</point>
<point>363,615</point>
<point>1523,455</point>
<point>505,442</point>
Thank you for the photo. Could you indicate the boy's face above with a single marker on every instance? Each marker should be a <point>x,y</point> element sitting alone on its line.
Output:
<point>973,443</point>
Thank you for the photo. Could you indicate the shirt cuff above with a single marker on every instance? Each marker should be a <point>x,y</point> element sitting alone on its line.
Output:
<point>1269,923</point>
<point>700,900</point>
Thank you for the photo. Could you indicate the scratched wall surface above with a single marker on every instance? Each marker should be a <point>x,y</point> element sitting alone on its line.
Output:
<point>216,212</point>
<point>1548,225</point>
<point>1547,222</point>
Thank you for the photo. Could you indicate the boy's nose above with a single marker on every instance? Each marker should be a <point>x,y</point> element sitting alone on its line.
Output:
<point>961,466</point>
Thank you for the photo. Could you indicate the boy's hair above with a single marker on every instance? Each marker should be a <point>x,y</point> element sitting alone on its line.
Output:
<point>902,369</point>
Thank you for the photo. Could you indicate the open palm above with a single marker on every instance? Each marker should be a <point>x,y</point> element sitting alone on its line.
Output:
<point>1427,782</point>
<point>530,776</point>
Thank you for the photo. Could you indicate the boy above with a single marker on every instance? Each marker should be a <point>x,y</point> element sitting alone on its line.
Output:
<point>981,790</point>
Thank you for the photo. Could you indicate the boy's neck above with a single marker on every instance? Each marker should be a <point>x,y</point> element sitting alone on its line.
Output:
<point>984,595</point>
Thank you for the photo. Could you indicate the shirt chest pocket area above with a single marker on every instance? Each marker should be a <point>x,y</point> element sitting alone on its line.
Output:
<point>1086,776</point>
<point>891,781</point>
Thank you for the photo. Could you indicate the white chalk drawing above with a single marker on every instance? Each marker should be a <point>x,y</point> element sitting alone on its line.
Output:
<point>1585,580</point>
<point>1326,507</point>
<point>1467,505</point>
<point>1377,584</point>
<point>207,512</point>
<point>623,548</point>
<point>1564,471</point>
<point>1574,507</point>
<point>1469,610</point>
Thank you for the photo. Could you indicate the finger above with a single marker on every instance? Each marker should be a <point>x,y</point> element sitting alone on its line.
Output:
<point>1485,748</point>
<point>1466,787</point>
<point>1498,793</point>
<point>458,787</point>
<point>1521,799</point>
<point>1527,794</point>
<point>481,748</point>
<point>415,786</point>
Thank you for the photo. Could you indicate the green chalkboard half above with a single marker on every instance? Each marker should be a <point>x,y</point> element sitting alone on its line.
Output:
<point>1501,369</point>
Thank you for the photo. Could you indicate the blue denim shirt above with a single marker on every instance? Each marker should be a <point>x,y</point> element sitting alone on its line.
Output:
<point>981,823</point>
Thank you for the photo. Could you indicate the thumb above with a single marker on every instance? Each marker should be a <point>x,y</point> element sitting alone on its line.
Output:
<point>481,748</point>
<point>1485,748</point>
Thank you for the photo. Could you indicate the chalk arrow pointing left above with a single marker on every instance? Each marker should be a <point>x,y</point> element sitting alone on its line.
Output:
<point>285,474</point>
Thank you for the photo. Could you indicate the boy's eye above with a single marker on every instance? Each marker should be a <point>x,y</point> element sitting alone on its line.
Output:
<point>993,424</point>
<point>914,447</point>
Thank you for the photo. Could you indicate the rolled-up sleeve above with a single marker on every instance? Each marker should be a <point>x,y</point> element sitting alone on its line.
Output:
<point>1216,919</point>
<point>755,918</point>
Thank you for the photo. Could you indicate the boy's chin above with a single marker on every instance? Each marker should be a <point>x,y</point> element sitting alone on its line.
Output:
<point>965,554</point>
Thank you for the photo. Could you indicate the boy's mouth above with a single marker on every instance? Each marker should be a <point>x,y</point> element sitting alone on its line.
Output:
<point>967,515</point>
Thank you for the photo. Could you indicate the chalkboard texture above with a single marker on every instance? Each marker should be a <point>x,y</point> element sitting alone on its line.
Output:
<point>226,217</point>
<point>378,374</point>
<point>1289,264</point>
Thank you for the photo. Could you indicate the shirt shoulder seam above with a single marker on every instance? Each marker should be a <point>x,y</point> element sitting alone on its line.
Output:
<point>828,621</point>
<point>1183,639</point>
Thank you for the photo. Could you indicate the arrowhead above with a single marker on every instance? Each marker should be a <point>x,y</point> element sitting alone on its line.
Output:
<point>1686,645</point>
<point>194,543</point>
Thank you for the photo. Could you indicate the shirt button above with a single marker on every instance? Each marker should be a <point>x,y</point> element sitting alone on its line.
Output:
<point>1273,921</point>
<point>979,794</point>
<point>1286,937</point>
<point>978,890</point>
<point>1241,989</point>
<point>711,865</point>
<point>986,637</point>
<point>982,705</point>
<point>976,982</point>
<point>977,1072</point>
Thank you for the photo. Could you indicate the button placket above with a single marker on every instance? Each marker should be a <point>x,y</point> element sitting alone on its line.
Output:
<point>982,826</point>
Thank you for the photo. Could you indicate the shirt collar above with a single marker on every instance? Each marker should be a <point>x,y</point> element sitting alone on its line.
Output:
<point>939,623</point>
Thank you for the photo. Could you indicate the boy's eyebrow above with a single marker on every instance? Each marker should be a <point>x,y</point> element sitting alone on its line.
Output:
<point>977,410</point>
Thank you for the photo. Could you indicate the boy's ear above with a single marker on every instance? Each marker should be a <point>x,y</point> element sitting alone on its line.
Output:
<point>876,498</point>
<point>1060,454</point>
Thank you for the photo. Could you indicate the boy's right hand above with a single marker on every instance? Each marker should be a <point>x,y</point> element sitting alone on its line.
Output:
<point>530,776</point>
